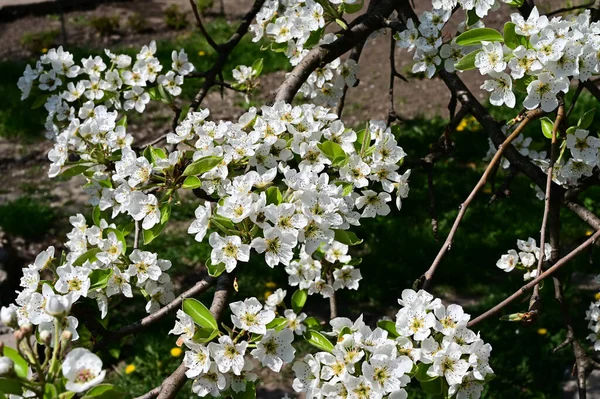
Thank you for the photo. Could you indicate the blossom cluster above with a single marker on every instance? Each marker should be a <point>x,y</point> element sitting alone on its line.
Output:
<point>537,55</point>
<point>428,341</point>
<point>79,115</point>
<point>592,315</point>
<point>526,259</point>
<point>294,26</point>
<point>224,365</point>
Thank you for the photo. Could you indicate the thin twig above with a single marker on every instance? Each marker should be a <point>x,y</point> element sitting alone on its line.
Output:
<point>463,207</point>
<point>567,9</point>
<point>136,235</point>
<point>208,38</point>
<point>147,321</point>
<point>491,312</point>
<point>533,303</point>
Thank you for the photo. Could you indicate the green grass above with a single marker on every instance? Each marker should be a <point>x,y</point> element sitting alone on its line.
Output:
<point>27,217</point>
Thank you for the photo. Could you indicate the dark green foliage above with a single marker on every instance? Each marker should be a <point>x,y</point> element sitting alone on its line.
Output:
<point>27,217</point>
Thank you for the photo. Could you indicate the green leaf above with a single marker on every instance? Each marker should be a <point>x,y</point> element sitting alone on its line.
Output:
<point>421,374</point>
<point>122,121</point>
<point>105,391</point>
<point>433,387</point>
<point>10,386</point>
<point>521,84</point>
<point>347,237</point>
<point>215,270</point>
<point>274,196</point>
<point>74,171</point>
<point>547,126</point>
<point>278,323</point>
<point>96,215</point>
<point>99,278</point>
<point>89,255</point>
<point>515,3</point>
<point>355,7</point>
<point>472,17</point>
<point>586,119</point>
<point>191,182</point>
<point>571,130</point>
<point>333,151</point>
<point>165,214</point>
<point>21,367</point>
<point>204,335</point>
<point>118,234</point>
<point>249,393</point>
<point>66,395</point>
<point>50,391</point>
<point>341,23</point>
<point>200,314</point>
<point>388,326</point>
<point>298,300</point>
<point>511,39</point>
<point>312,323</point>
<point>257,66</point>
<point>314,38</point>
<point>318,340</point>
<point>467,62</point>
<point>165,97</point>
<point>39,101</point>
<point>478,35</point>
<point>202,165</point>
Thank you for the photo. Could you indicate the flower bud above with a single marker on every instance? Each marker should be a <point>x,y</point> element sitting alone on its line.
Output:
<point>27,328</point>
<point>58,305</point>
<point>7,366</point>
<point>66,336</point>
<point>46,337</point>
<point>8,316</point>
<point>18,336</point>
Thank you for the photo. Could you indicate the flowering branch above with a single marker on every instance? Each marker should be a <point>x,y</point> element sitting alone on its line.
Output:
<point>529,116</point>
<point>532,283</point>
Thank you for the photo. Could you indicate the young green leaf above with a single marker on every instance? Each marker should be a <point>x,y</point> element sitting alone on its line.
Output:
<point>99,278</point>
<point>74,171</point>
<point>318,340</point>
<point>21,367</point>
<point>278,323</point>
<point>388,326</point>
<point>478,35</point>
<point>298,300</point>
<point>274,196</point>
<point>347,237</point>
<point>89,255</point>
<point>191,182</point>
<point>202,165</point>
<point>215,270</point>
<point>200,314</point>
<point>257,66</point>
<point>432,387</point>
<point>511,39</point>
<point>118,234</point>
<point>467,62</point>
<point>10,386</point>
<point>105,391</point>
<point>586,119</point>
<point>547,126</point>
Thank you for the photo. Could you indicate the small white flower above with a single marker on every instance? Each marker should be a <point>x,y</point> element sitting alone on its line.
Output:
<point>250,316</point>
<point>228,250</point>
<point>544,91</point>
<point>275,348</point>
<point>501,88</point>
<point>228,355</point>
<point>490,58</point>
<point>82,369</point>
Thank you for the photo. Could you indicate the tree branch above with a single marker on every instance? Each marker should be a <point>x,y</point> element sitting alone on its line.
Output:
<point>358,31</point>
<point>208,38</point>
<point>147,321</point>
<point>529,116</point>
<point>536,280</point>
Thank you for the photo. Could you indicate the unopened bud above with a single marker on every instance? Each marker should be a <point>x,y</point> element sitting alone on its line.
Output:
<point>18,336</point>
<point>7,366</point>
<point>8,316</point>
<point>66,336</point>
<point>46,337</point>
<point>27,328</point>
<point>58,305</point>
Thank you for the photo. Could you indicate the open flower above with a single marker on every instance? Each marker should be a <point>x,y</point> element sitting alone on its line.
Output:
<point>82,369</point>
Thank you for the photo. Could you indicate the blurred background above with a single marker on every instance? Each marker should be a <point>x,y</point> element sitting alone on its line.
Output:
<point>34,209</point>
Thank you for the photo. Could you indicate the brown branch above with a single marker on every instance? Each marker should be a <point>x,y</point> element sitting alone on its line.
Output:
<point>533,303</point>
<point>358,31</point>
<point>208,38</point>
<point>529,116</point>
<point>392,116</point>
<point>504,190</point>
<point>224,51</point>
<point>147,321</point>
<point>532,283</point>
<point>567,9</point>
